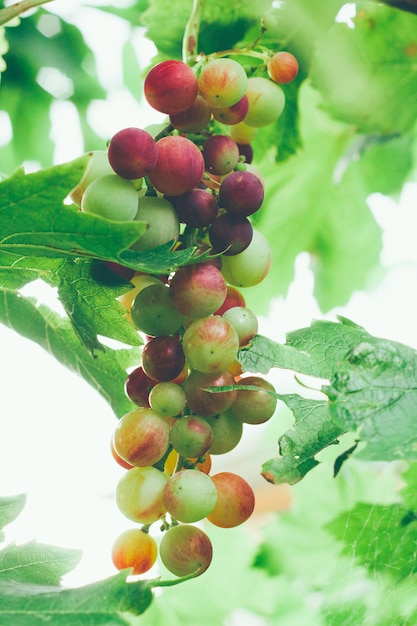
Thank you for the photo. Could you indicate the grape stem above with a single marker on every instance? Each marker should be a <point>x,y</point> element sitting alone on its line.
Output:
<point>14,10</point>
<point>190,39</point>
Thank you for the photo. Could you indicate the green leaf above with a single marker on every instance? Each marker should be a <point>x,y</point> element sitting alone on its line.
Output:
<point>380,46</point>
<point>105,372</point>
<point>374,391</point>
<point>264,354</point>
<point>36,563</point>
<point>313,430</point>
<point>10,508</point>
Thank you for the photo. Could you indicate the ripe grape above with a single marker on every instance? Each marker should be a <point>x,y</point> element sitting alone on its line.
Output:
<point>246,151</point>
<point>139,494</point>
<point>163,358</point>
<point>153,312</point>
<point>197,290</point>
<point>222,82</point>
<point>255,407</point>
<point>266,102</point>
<point>118,458</point>
<point>162,220</point>
<point>194,119</point>
<point>221,154</point>
<point>244,321</point>
<point>233,114</point>
<point>189,495</point>
<point>167,399</point>
<point>112,197</point>
<point>210,344</point>
<point>227,432</point>
<point>230,234</point>
<point>235,500</point>
<point>137,387</point>
<point>141,437</point>
<point>170,86</point>
<point>282,67</point>
<point>180,166</point>
<point>206,403</point>
<point>197,208</point>
<point>191,436</point>
<point>241,193</point>
<point>134,549</point>
<point>132,153</point>
<point>186,549</point>
<point>234,297</point>
<point>250,267</point>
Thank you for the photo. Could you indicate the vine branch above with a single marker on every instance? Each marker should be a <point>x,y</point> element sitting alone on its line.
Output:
<point>14,10</point>
<point>190,39</point>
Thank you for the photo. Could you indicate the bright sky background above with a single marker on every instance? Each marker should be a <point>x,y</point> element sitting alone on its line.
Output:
<point>56,429</point>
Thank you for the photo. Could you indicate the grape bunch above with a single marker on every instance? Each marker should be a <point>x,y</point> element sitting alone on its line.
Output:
<point>194,185</point>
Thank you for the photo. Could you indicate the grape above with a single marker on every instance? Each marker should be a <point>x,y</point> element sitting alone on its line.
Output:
<point>250,267</point>
<point>189,495</point>
<point>221,154</point>
<point>180,166</point>
<point>139,494</point>
<point>134,549</point>
<point>210,344</point>
<point>246,151</point>
<point>235,500</point>
<point>244,321</point>
<point>222,82</point>
<point>255,407</point>
<point>141,437</point>
<point>186,549</point>
<point>241,193</point>
<point>162,219</point>
<point>197,208</point>
<point>230,234</point>
<point>227,432</point>
<point>97,166</point>
<point>206,403</point>
<point>233,114</point>
<point>163,358</point>
<point>197,290</point>
<point>139,282</point>
<point>234,297</point>
<point>242,133</point>
<point>118,458</point>
<point>193,119</point>
<point>112,197</point>
<point>282,67</point>
<point>266,102</point>
<point>153,312</point>
<point>170,86</point>
<point>191,436</point>
<point>167,399</point>
<point>137,387</point>
<point>132,153</point>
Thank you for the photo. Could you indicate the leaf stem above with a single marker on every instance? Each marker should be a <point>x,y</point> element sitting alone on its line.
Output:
<point>14,10</point>
<point>190,39</point>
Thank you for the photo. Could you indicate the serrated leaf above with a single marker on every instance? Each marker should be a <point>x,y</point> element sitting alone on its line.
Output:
<point>312,431</point>
<point>104,603</point>
<point>10,508</point>
<point>36,563</point>
<point>374,391</point>
<point>105,372</point>
<point>263,354</point>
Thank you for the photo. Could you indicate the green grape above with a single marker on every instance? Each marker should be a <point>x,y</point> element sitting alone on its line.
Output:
<point>227,432</point>
<point>112,197</point>
<point>266,102</point>
<point>191,436</point>
<point>186,549</point>
<point>251,266</point>
<point>189,495</point>
<point>162,219</point>
<point>139,494</point>
<point>167,399</point>
<point>153,312</point>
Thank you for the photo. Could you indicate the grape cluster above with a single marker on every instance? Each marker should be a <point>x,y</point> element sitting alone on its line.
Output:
<point>194,184</point>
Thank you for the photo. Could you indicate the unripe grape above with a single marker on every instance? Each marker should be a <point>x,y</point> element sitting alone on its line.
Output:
<point>163,358</point>
<point>206,403</point>
<point>112,197</point>
<point>255,407</point>
<point>132,153</point>
<point>282,67</point>
<point>244,321</point>
<point>97,166</point>
<point>141,437</point>
<point>134,549</point>
<point>250,267</point>
<point>242,133</point>
<point>222,82</point>
<point>221,154</point>
<point>197,290</point>
<point>180,166</point>
<point>153,312</point>
<point>191,436</point>
<point>210,344</point>
<point>266,102</point>
<point>170,86</point>
<point>241,193</point>
<point>139,494</point>
<point>194,119</point>
<point>230,234</point>
<point>162,220</point>
<point>235,500</point>
<point>139,282</point>
<point>233,114</point>
<point>189,495</point>
<point>186,549</point>
<point>167,399</point>
<point>227,432</point>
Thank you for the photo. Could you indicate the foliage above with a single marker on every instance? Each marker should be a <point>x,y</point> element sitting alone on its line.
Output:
<point>348,131</point>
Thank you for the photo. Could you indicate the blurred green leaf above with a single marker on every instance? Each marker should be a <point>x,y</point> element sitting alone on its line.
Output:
<point>10,508</point>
